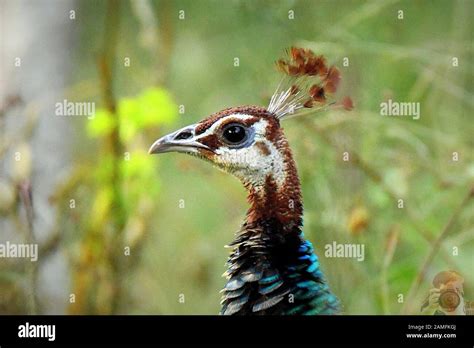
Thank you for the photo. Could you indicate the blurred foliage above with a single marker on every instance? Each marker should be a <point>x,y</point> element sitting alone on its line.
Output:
<point>152,108</point>
<point>100,263</point>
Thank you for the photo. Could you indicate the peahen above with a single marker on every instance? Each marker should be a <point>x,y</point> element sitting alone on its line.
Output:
<point>272,269</point>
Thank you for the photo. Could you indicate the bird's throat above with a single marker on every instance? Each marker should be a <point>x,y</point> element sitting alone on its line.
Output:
<point>272,201</point>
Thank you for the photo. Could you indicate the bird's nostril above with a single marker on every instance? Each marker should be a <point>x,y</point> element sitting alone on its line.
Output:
<point>183,135</point>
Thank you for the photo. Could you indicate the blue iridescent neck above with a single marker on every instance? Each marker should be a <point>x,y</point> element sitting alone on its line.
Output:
<point>274,272</point>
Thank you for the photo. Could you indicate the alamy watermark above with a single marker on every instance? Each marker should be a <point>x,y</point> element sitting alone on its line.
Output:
<point>394,108</point>
<point>13,250</point>
<point>354,251</point>
<point>69,108</point>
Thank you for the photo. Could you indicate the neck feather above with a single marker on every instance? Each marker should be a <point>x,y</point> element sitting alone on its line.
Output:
<point>274,200</point>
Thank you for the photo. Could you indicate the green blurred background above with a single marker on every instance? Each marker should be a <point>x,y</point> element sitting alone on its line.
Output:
<point>176,213</point>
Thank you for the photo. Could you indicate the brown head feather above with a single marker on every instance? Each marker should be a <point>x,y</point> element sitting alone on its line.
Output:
<point>309,82</point>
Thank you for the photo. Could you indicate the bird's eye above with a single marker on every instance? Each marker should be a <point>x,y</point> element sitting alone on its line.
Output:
<point>234,134</point>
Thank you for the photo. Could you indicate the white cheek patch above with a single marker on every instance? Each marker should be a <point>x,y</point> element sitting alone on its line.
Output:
<point>250,164</point>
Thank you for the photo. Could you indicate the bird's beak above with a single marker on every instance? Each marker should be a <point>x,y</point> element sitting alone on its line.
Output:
<point>182,140</point>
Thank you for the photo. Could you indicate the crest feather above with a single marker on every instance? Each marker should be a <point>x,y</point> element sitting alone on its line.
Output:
<point>308,82</point>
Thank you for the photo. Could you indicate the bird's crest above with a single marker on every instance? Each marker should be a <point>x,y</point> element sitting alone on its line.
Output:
<point>308,84</point>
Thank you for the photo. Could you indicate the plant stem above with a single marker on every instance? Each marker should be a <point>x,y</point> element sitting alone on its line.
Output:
<point>434,249</point>
<point>114,147</point>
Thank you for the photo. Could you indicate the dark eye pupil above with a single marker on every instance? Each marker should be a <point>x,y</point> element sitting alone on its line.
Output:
<point>183,135</point>
<point>234,134</point>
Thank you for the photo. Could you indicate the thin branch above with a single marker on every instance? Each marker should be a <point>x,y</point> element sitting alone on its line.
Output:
<point>166,40</point>
<point>113,144</point>
<point>25,194</point>
<point>435,248</point>
<point>390,247</point>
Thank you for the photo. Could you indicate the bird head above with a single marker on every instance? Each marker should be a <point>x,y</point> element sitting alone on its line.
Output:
<point>245,141</point>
